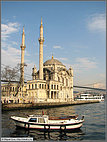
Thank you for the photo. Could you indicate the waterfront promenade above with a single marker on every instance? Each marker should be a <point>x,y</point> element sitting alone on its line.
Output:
<point>44,105</point>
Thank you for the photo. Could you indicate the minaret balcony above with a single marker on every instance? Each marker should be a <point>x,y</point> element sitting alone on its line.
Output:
<point>41,40</point>
<point>22,47</point>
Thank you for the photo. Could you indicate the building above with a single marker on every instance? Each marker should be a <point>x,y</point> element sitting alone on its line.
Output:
<point>51,83</point>
<point>12,94</point>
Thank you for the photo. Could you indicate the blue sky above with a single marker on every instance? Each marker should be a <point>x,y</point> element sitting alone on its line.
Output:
<point>73,31</point>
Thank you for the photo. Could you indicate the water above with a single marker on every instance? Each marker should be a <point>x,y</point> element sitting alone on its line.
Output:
<point>93,127</point>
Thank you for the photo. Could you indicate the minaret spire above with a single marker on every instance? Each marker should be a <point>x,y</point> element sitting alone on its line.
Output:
<point>41,40</point>
<point>41,20</point>
<point>52,55</point>
<point>23,37</point>
<point>22,56</point>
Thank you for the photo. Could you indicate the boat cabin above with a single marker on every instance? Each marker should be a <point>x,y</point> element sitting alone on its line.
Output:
<point>38,118</point>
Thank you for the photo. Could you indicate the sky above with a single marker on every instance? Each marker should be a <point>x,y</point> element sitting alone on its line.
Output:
<point>74,32</point>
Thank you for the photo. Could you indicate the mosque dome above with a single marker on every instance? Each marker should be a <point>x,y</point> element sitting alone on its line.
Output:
<point>52,62</point>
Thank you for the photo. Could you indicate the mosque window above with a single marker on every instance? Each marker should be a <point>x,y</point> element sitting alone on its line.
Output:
<point>35,86</point>
<point>62,80</point>
<point>32,86</point>
<point>42,86</point>
<point>48,86</point>
<point>29,86</point>
<point>61,88</point>
<point>13,88</point>
<point>45,86</point>
<point>20,88</point>
<point>49,77</point>
<point>52,86</point>
<point>58,79</point>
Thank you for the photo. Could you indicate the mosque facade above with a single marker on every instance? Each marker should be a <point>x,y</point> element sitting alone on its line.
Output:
<point>51,83</point>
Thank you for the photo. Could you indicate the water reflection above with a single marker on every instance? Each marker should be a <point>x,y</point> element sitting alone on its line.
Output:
<point>54,135</point>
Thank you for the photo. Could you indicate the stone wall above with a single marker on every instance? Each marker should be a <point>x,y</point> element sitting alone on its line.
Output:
<point>43,105</point>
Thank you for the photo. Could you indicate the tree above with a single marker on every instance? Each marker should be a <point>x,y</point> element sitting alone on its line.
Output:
<point>10,74</point>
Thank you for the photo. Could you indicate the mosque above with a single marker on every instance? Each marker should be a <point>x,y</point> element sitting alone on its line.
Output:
<point>51,83</point>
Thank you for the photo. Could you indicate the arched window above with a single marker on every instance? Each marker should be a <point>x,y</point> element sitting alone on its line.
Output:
<point>49,77</point>
<point>62,80</point>
<point>44,77</point>
<point>29,86</point>
<point>35,86</point>
<point>40,86</point>
<point>59,79</point>
<point>61,87</point>
<point>32,86</point>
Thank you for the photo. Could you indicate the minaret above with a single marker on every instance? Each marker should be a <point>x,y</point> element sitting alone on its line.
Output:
<point>34,70</point>
<point>22,56</point>
<point>41,40</point>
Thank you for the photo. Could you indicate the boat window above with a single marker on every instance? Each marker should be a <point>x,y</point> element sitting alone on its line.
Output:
<point>41,120</point>
<point>33,120</point>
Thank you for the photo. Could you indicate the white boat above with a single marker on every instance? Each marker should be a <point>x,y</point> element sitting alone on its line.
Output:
<point>43,122</point>
<point>91,97</point>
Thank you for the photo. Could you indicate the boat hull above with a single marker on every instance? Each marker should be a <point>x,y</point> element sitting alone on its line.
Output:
<point>47,127</point>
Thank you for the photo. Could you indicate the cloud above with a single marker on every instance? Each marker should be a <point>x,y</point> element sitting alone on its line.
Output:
<point>57,47</point>
<point>63,59</point>
<point>10,56</point>
<point>9,28</point>
<point>103,75</point>
<point>14,43</point>
<point>85,63</point>
<point>97,22</point>
<point>99,85</point>
<point>45,45</point>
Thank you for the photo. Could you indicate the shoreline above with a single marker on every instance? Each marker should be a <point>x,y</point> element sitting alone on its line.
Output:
<point>43,105</point>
